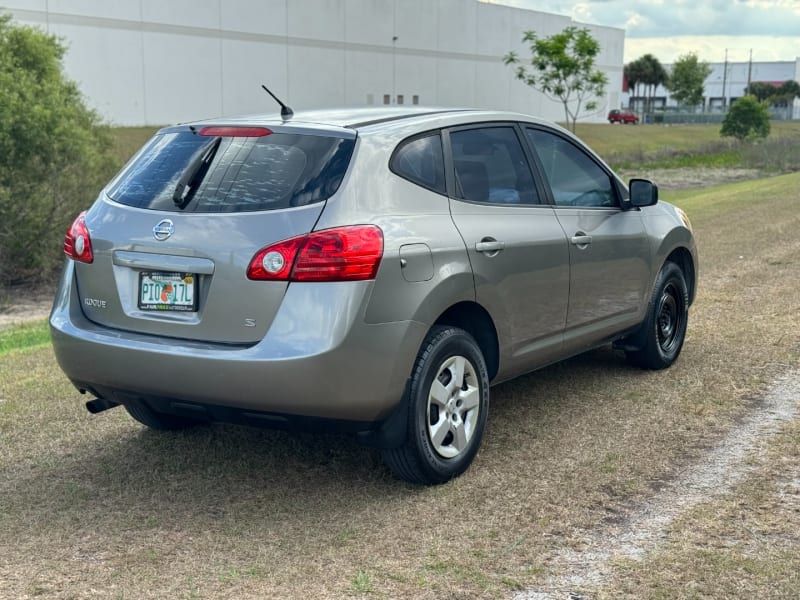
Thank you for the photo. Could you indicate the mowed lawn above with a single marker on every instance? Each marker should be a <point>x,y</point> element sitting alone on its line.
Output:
<point>98,506</point>
<point>628,142</point>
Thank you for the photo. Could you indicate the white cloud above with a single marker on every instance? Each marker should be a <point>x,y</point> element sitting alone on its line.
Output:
<point>712,48</point>
<point>633,21</point>
<point>582,11</point>
<point>770,27</point>
<point>794,4</point>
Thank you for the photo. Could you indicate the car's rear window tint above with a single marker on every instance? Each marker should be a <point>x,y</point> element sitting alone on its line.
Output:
<point>239,173</point>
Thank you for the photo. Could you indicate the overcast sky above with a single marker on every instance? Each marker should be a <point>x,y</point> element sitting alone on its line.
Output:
<point>670,28</point>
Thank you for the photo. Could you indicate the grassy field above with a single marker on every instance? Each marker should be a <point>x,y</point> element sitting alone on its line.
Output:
<point>628,142</point>
<point>27,335</point>
<point>97,506</point>
<point>698,146</point>
<point>127,140</point>
<point>744,545</point>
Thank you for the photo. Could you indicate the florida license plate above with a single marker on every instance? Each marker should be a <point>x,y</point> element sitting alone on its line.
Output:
<point>167,291</point>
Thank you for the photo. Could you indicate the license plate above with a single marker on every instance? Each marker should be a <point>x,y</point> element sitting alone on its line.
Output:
<point>167,291</point>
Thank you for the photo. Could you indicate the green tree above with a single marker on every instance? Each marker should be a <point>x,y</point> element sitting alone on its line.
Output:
<point>634,74</point>
<point>786,93</point>
<point>648,71</point>
<point>746,119</point>
<point>656,75</point>
<point>781,96</point>
<point>53,153</point>
<point>687,79</point>
<point>762,91</point>
<point>562,67</point>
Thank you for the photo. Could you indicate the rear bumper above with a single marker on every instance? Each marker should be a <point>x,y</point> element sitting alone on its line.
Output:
<point>318,360</point>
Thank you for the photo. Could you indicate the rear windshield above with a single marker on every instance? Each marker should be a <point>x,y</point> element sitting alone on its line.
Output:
<point>181,170</point>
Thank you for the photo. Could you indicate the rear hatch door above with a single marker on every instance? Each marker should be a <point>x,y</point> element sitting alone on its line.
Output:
<point>173,234</point>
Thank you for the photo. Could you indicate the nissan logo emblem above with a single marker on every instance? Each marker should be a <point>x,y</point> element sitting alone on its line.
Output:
<point>163,230</point>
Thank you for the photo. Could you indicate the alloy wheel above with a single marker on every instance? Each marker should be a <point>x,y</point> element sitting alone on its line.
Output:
<point>453,406</point>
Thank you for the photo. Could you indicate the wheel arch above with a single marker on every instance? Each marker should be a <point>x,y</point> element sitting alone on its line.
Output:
<point>475,320</point>
<point>682,257</point>
<point>674,242</point>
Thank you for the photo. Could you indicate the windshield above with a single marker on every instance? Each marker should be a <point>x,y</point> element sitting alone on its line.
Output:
<point>178,171</point>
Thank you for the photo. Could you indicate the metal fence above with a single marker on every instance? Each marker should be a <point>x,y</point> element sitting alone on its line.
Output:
<point>675,117</point>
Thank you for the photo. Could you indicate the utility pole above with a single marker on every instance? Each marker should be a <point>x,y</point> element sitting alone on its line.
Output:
<point>749,69</point>
<point>725,81</point>
<point>394,54</point>
<point>394,69</point>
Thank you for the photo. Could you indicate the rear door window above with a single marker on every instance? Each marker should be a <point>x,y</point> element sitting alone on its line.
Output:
<point>181,170</point>
<point>490,166</point>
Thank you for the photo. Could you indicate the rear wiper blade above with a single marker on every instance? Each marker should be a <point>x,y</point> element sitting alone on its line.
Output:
<point>191,178</point>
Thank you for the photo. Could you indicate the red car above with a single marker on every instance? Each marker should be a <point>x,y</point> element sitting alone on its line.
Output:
<point>623,116</point>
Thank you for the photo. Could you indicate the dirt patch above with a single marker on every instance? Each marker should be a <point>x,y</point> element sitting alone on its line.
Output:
<point>23,304</point>
<point>692,178</point>
<point>644,527</point>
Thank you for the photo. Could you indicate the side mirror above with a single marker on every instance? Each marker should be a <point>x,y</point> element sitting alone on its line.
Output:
<point>643,192</point>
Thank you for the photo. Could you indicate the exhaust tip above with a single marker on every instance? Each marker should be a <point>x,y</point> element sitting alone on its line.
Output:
<point>99,405</point>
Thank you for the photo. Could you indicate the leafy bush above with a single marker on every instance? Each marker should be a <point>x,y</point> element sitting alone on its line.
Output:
<point>54,153</point>
<point>747,118</point>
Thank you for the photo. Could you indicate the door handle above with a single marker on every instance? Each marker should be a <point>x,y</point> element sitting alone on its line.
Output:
<point>490,246</point>
<point>581,239</point>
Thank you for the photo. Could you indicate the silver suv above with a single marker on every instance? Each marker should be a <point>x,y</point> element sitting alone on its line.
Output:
<point>372,271</point>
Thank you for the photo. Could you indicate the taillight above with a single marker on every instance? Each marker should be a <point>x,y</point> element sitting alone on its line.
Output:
<point>274,263</point>
<point>77,243</point>
<point>340,254</point>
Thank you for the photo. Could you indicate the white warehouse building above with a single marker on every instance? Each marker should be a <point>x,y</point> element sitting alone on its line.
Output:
<point>154,62</point>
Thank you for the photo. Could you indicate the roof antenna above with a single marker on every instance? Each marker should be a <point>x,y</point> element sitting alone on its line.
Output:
<point>286,112</point>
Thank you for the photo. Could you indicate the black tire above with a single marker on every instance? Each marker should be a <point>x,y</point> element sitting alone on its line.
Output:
<point>664,328</point>
<point>156,420</point>
<point>443,437</point>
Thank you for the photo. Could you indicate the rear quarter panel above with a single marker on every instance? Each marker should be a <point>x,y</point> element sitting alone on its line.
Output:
<point>425,268</point>
<point>410,217</point>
